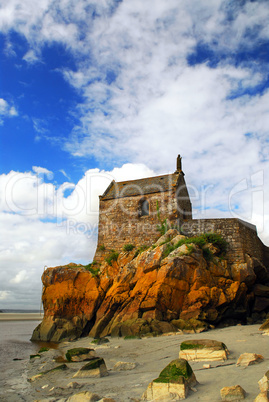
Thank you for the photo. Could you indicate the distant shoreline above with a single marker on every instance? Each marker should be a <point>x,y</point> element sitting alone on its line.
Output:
<point>21,316</point>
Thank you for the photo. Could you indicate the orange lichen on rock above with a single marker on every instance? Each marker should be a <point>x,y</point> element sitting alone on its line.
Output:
<point>143,292</point>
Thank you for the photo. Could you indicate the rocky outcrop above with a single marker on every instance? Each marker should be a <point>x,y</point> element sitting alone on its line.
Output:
<point>169,286</point>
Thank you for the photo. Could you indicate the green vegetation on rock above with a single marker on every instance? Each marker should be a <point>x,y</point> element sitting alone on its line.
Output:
<point>187,346</point>
<point>128,247</point>
<point>58,368</point>
<point>100,341</point>
<point>140,250</point>
<point>93,270</point>
<point>201,241</point>
<point>175,372</point>
<point>202,344</point>
<point>113,256</point>
<point>37,356</point>
<point>127,337</point>
<point>93,364</point>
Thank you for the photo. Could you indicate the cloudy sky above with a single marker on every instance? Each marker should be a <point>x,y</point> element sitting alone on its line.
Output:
<point>97,90</point>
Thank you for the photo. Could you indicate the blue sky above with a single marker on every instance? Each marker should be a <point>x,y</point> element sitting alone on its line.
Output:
<point>96,90</point>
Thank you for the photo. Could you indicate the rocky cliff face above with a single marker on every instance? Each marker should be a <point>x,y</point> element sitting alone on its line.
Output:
<point>170,285</point>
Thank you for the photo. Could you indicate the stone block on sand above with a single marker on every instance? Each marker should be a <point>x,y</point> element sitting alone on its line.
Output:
<point>264,382</point>
<point>262,397</point>
<point>95,368</point>
<point>80,354</point>
<point>203,350</point>
<point>84,397</point>
<point>172,384</point>
<point>235,393</point>
<point>247,359</point>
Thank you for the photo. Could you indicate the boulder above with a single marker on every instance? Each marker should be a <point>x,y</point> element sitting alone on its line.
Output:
<point>264,382</point>
<point>95,368</point>
<point>80,354</point>
<point>173,382</point>
<point>169,235</point>
<point>235,393</point>
<point>247,359</point>
<point>84,397</point>
<point>203,350</point>
<point>191,326</point>
<point>262,397</point>
<point>244,272</point>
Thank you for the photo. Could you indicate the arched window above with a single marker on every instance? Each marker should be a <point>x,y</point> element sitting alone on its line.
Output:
<point>143,207</point>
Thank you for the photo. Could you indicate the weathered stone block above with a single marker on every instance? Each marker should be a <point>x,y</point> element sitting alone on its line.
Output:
<point>95,368</point>
<point>173,382</point>
<point>203,350</point>
<point>80,354</point>
<point>247,359</point>
<point>235,393</point>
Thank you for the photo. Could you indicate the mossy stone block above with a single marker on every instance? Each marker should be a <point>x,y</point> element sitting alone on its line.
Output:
<point>72,354</point>
<point>176,371</point>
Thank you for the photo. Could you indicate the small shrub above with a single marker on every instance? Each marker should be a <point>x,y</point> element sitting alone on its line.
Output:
<point>102,247</point>
<point>128,247</point>
<point>140,250</point>
<point>113,256</point>
<point>90,267</point>
<point>201,241</point>
<point>218,241</point>
<point>168,250</point>
<point>207,254</point>
<point>190,249</point>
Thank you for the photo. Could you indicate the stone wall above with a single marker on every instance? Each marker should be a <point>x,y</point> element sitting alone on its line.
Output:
<point>241,236</point>
<point>120,223</point>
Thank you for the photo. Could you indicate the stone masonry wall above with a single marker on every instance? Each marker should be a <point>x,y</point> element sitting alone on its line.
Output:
<point>241,236</point>
<point>120,224</point>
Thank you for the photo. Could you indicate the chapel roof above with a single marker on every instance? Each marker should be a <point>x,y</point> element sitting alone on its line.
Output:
<point>141,186</point>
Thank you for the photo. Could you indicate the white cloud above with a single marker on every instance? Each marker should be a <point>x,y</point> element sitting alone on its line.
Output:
<point>21,275</point>
<point>4,294</point>
<point>31,57</point>
<point>6,110</point>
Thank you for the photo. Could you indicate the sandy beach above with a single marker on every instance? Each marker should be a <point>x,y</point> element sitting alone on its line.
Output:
<point>21,316</point>
<point>151,355</point>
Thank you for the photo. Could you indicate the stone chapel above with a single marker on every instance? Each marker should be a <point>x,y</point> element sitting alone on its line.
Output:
<point>130,211</point>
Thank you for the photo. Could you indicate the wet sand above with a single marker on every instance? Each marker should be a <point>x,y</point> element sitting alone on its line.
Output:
<point>151,355</point>
<point>21,316</point>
